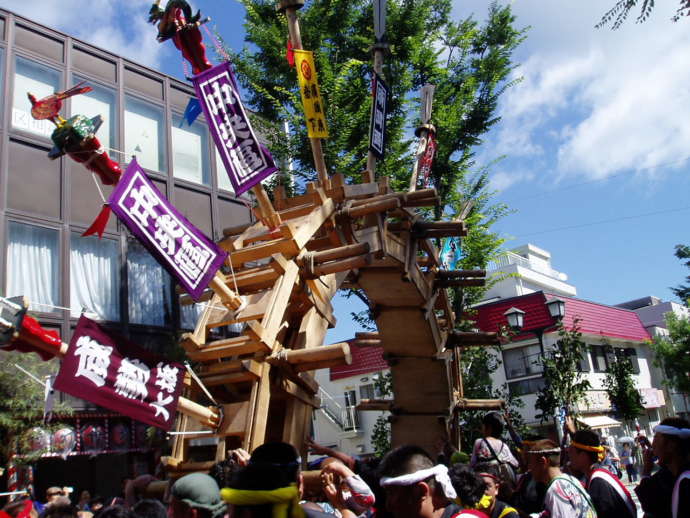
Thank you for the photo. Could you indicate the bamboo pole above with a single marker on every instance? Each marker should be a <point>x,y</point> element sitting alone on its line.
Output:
<point>290,7</point>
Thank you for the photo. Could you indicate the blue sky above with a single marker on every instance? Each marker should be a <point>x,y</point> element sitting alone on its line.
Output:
<point>596,135</point>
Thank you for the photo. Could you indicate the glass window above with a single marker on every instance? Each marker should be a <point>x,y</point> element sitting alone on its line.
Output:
<point>631,353</point>
<point>33,265</point>
<point>599,360</point>
<point>149,288</point>
<point>144,133</point>
<point>522,361</point>
<point>40,81</point>
<point>528,386</point>
<point>95,277</point>
<point>369,391</point>
<point>583,365</point>
<point>222,175</point>
<point>189,315</point>
<point>100,101</point>
<point>190,151</point>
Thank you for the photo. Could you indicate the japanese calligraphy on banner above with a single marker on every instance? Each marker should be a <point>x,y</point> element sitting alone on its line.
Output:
<point>311,94</point>
<point>379,113</point>
<point>246,161</point>
<point>181,248</point>
<point>109,370</point>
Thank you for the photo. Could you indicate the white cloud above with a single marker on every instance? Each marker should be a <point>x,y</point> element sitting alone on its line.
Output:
<point>503,180</point>
<point>118,26</point>
<point>595,102</point>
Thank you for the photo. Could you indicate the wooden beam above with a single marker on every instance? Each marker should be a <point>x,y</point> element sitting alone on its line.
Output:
<point>375,404</point>
<point>341,252</point>
<point>479,404</point>
<point>460,274</point>
<point>342,265</point>
<point>335,352</point>
<point>458,283</point>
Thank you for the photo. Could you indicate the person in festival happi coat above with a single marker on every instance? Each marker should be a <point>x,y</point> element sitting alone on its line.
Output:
<point>666,493</point>
<point>610,497</point>
<point>494,507</point>
<point>565,496</point>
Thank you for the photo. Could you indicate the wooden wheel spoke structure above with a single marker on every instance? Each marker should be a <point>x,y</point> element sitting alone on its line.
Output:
<point>345,236</point>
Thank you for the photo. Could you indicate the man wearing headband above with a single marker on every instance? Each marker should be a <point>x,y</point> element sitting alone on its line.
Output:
<point>671,445</point>
<point>491,505</point>
<point>610,497</point>
<point>565,496</point>
<point>416,488</point>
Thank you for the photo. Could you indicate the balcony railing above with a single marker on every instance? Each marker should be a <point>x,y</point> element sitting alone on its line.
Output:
<point>344,417</point>
<point>509,258</point>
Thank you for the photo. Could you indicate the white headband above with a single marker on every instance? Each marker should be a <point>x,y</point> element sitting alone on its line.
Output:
<point>683,433</point>
<point>439,472</point>
<point>552,451</point>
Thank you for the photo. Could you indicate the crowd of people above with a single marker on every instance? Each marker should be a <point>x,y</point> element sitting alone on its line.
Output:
<point>532,477</point>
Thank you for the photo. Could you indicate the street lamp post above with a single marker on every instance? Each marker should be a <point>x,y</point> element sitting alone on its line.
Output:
<point>516,321</point>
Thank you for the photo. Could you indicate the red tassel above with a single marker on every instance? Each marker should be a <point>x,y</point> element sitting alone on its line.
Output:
<point>99,224</point>
<point>290,54</point>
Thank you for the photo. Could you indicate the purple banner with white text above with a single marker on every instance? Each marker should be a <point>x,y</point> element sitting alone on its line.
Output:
<point>107,369</point>
<point>246,161</point>
<point>181,248</point>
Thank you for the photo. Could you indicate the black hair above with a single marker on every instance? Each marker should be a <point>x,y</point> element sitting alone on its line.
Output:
<point>60,511</point>
<point>494,423</point>
<point>272,465</point>
<point>149,508</point>
<point>404,460</point>
<point>468,485</point>
<point>588,438</point>
<point>223,471</point>
<point>489,468</point>
<point>115,511</point>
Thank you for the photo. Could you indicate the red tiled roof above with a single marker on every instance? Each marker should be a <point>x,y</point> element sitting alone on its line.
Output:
<point>364,361</point>
<point>595,318</point>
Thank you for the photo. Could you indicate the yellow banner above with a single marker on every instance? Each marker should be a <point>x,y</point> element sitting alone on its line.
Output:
<point>314,111</point>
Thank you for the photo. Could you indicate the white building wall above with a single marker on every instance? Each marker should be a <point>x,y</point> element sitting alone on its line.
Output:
<point>328,433</point>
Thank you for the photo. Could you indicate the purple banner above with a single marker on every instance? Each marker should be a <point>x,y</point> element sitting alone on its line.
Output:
<point>181,248</point>
<point>246,161</point>
<point>109,370</point>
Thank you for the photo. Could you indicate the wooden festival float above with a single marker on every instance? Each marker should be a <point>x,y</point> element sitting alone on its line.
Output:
<point>280,276</point>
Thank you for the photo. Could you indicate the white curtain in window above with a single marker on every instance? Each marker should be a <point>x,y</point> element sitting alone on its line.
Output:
<point>32,265</point>
<point>41,82</point>
<point>149,288</point>
<point>95,277</point>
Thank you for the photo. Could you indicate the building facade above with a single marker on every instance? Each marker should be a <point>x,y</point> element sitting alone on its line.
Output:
<point>45,205</point>
<point>338,423</point>
<point>604,328</point>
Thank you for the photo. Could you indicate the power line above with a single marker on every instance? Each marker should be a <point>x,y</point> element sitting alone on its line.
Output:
<point>604,221</point>
<point>597,180</point>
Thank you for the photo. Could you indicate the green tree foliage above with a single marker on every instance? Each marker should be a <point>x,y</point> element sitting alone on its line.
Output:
<point>564,384</point>
<point>672,353</point>
<point>620,386</point>
<point>617,15</point>
<point>682,291</point>
<point>381,434</point>
<point>21,400</point>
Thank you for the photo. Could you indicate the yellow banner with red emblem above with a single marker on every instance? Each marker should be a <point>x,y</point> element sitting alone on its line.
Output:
<point>314,111</point>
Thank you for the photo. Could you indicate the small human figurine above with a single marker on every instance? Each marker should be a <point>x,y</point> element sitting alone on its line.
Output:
<point>178,22</point>
<point>76,136</point>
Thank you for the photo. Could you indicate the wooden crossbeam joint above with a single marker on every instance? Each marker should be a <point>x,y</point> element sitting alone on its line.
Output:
<point>467,339</point>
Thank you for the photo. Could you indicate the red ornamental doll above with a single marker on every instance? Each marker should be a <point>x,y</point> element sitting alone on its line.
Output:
<point>178,22</point>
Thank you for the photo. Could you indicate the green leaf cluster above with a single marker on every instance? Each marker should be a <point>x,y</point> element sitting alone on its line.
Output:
<point>22,400</point>
<point>564,385</point>
<point>682,291</point>
<point>620,386</point>
<point>620,11</point>
<point>672,353</point>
